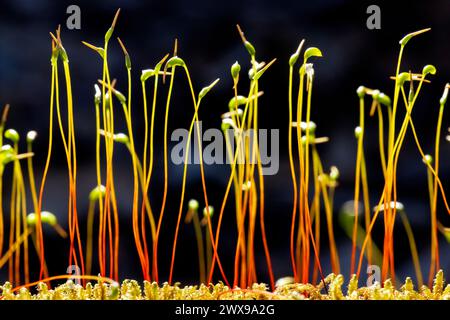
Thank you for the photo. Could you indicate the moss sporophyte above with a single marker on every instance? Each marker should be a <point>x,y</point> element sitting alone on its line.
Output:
<point>95,247</point>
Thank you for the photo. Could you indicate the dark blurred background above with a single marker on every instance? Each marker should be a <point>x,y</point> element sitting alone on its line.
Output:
<point>210,44</point>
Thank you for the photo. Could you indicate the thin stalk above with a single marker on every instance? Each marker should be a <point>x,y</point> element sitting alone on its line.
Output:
<point>200,248</point>
<point>293,176</point>
<point>166,178</point>
<point>230,181</point>
<point>39,234</point>
<point>434,226</point>
<point>357,183</point>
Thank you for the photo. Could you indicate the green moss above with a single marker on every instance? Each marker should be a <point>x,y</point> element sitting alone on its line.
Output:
<point>133,290</point>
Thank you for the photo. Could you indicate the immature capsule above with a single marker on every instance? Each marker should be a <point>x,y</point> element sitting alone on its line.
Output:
<point>12,135</point>
<point>403,77</point>
<point>125,52</point>
<point>175,61</point>
<point>107,100</point>
<point>210,209</point>
<point>429,69</point>
<point>227,123</point>
<point>310,139</point>
<point>99,50</point>
<point>384,99</point>
<point>312,52</point>
<point>63,54</point>
<point>408,37</point>
<point>248,45</point>
<point>193,205</point>
<point>236,102</point>
<point>111,29</point>
<point>358,132</point>
<point>147,73</point>
<point>46,217</point>
<point>205,90</point>
<point>97,192</point>
<point>121,138</point>
<point>428,159</point>
<point>7,154</point>
<point>308,126</point>
<point>31,136</point>
<point>348,209</point>
<point>224,126</point>
<point>443,99</point>
<point>293,59</point>
<point>334,173</point>
<point>98,94</point>
<point>250,48</point>
<point>361,91</point>
<point>205,215</point>
<point>235,69</point>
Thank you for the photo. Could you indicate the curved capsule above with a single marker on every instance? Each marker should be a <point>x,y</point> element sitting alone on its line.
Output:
<point>121,138</point>
<point>12,135</point>
<point>193,205</point>
<point>210,209</point>
<point>312,52</point>
<point>429,69</point>
<point>236,102</point>
<point>98,94</point>
<point>174,62</point>
<point>46,217</point>
<point>361,91</point>
<point>235,69</point>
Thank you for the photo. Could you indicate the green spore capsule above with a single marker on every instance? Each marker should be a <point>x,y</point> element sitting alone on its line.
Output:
<point>361,91</point>
<point>31,136</point>
<point>97,192</point>
<point>12,135</point>
<point>174,62</point>
<point>193,205</point>
<point>235,69</point>
<point>210,209</point>
<point>46,217</point>
<point>236,102</point>
<point>205,90</point>
<point>121,138</point>
<point>312,52</point>
<point>428,69</point>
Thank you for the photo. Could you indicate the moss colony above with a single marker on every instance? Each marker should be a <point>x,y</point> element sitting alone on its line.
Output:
<point>94,248</point>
